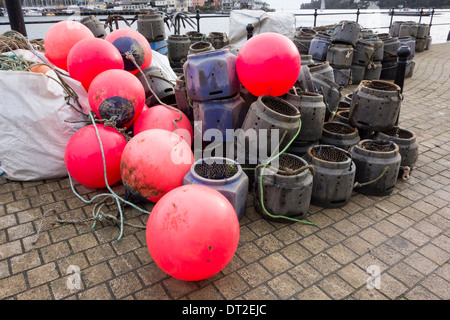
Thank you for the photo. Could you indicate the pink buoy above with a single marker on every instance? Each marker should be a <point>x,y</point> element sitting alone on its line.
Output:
<point>268,64</point>
<point>131,41</point>
<point>161,117</point>
<point>117,93</point>
<point>61,37</point>
<point>83,157</point>
<point>192,232</point>
<point>90,57</point>
<point>155,162</point>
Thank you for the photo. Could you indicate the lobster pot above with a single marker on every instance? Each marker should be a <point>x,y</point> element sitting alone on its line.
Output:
<point>422,30</point>
<point>303,43</point>
<point>306,60</point>
<point>181,98</point>
<point>322,68</point>
<point>342,116</point>
<point>420,44</point>
<point>218,39</point>
<point>378,47</point>
<point>151,26</point>
<point>339,134</point>
<point>409,68</point>
<point>200,46</point>
<point>346,32</point>
<point>375,105</point>
<point>343,77</point>
<point>224,175</point>
<point>428,43</point>
<point>211,75</point>
<point>358,73</point>
<point>334,175</point>
<point>195,36</point>
<point>377,166</point>
<point>163,89</point>
<point>270,123</point>
<point>299,148</point>
<point>95,25</point>
<point>219,114</point>
<point>286,189</point>
<point>391,45</point>
<point>373,71</point>
<point>305,32</point>
<point>348,98</point>
<point>409,42</point>
<point>388,70</point>
<point>340,56</point>
<point>406,142</point>
<point>319,47</point>
<point>331,92</point>
<point>312,110</point>
<point>404,29</point>
<point>177,49</point>
<point>304,80</point>
<point>364,53</point>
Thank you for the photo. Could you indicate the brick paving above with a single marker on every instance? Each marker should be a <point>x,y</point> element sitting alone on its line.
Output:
<point>405,234</point>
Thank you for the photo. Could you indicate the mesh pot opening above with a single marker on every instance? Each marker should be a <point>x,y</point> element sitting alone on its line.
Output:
<point>400,133</point>
<point>329,153</point>
<point>380,85</point>
<point>337,127</point>
<point>289,165</point>
<point>216,171</point>
<point>378,146</point>
<point>201,45</point>
<point>279,106</point>
<point>344,114</point>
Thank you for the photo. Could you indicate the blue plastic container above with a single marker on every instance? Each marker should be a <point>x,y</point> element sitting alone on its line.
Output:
<point>159,46</point>
<point>211,75</point>
<point>409,42</point>
<point>318,48</point>
<point>224,175</point>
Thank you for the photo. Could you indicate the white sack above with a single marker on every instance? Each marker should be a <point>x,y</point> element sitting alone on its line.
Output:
<point>33,131</point>
<point>279,22</point>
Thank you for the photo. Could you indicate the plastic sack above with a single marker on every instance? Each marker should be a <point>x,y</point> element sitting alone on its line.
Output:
<point>162,62</point>
<point>279,22</point>
<point>34,131</point>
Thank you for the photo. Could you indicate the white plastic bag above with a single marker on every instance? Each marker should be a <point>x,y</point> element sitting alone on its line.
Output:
<point>33,127</point>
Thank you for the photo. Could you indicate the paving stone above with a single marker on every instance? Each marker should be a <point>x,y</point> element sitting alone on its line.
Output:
<point>276,263</point>
<point>125,285</point>
<point>42,274</point>
<point>25,261</point>
<point>231,286</point>
<point>312,293</point>
<point>155,292</point>
<point>37,293</point>
<point>335,287</point>
<point>284,286</point>
<point>12,285</point>
<point>261,292</point>
<point>99,292</point>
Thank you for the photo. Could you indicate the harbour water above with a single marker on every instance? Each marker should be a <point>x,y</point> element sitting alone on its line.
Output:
<point>377,20</point>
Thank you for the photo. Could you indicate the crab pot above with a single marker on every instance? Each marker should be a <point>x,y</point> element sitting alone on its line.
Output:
<point>224,175</point>
<point>375,105</point>
<point>200,46</point>
<point>406,142</point>
<point>346,32</point>
<point>306,60</point>
<point>195,36</point>
<point>286,189</point>
<point>212,75</point>
<point>428,43</point>
<point>303,43</point>
<point>220,114</point>
<point>410,43</point>
<point>319,46</point>
<point>373,71</point>
<point>391,45</point>
<point>420,44</point>
<point>177,49</point>
<point>95,25</point>
<point>163,89</point>
<point>312,110</point>
<point>151,26</point>
<point>348,98</point>
<point>377,166</point>
<point>364,52</point>
<point>341,116</point>
<point>340,56</point>
<point>388,69</point>
<point>343,77</point>
<point>218,39</point>
<point>181,98</point>
<point>409,68</point>
<point>331,92</point>
<point>268,118</point>
<point>422,30</point>
<point>339,134</point>
<point>358,73</point>
<point>304,80</point>
<point>334,175</point>
<point>322,68</point>
<point>299,148</point>
<point>378,47</point>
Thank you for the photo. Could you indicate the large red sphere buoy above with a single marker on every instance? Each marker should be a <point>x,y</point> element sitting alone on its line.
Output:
<point>117,93</point>
<point>268,64</point>
<point>128,40</point>
<point>192,232</point>
<point>90,57</point>
<point>61,37</point>
<point>155,162</point>
<point>83,157</point>
<point>161,117</point>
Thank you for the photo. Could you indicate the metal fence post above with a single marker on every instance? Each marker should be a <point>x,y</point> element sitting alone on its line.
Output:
<point>403,53</point>
<point>197,16</point>
<point>315,17</point>
<point>391,13</point>
<point>357,14</point>
<point>421,13</point>
<point>250,28</point>
<point>16,16</point>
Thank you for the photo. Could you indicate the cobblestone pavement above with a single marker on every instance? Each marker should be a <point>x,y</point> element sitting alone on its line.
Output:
<point>405,234</point>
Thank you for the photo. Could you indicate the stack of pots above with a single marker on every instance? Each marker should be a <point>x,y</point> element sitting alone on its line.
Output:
<point>373,69</point>
<point>362,59</point>
<point>213,86</point>
<point>342,51</point>
<point>389,62</point>
<point>151,26</point>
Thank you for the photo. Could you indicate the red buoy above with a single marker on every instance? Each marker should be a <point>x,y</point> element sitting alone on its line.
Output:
<point>155,162</point>
<point>130,41</point>
<point>90,57</point>
<point>161,117</point>
<point>83,157</point>
<point>117,93</point>
<point>268,64</point>
<point>61,37</point>
<point>192,232</point>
